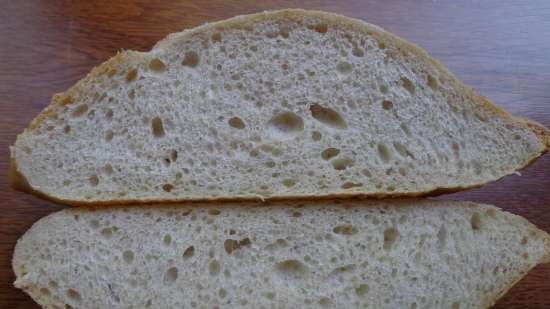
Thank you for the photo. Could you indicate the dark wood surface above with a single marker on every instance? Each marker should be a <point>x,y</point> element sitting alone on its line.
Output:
<point>501,48</point>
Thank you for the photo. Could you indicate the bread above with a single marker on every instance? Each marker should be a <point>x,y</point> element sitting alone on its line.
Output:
<point>404,254</point>
<point>273,105</point>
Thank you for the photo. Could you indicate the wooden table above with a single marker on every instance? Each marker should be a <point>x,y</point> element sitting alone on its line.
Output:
<point>501,48</point>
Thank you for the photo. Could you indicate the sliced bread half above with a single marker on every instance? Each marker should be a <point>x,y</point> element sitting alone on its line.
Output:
<point>279,104</point>
<point>405,254</point>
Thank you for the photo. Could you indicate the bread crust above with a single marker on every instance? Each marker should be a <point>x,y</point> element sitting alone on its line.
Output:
<point>19,182</point>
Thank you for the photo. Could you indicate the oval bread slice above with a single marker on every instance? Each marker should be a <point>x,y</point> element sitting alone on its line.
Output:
<point>273,105</point>
<point>407,254</point>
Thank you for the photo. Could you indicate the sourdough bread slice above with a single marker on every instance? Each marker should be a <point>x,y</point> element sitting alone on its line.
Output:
<point>279,104</point>
<point>404,254</point>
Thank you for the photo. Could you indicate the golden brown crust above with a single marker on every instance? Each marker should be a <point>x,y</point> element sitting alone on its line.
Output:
<point>249,198</point>
<point>542,132</point>
<point>61,99</point>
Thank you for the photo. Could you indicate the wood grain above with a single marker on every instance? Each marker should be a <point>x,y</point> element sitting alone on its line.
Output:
<point>501,48</point>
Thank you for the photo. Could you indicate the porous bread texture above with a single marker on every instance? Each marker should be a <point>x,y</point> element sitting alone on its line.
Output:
<point>406,254</point>
<point>273,105</point>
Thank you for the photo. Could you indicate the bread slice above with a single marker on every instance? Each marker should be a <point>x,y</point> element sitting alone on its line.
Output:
<point>278,104</point>
<point>405,254</point>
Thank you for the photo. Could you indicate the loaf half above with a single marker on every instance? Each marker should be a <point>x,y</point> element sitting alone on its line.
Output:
<point>405,254</point>
<point>279,104</point>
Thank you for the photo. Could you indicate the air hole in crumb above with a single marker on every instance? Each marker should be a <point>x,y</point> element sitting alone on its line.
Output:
<point>289,183</point>
<point>350,185</point>
<point>216,37</point>
<point>67,129</point>
<point>91,114</point>
<point>384,89</point>
<point>455,305</point>
<point>171,275</point>
<point>401,150</point>
<point>477,167</point>
<point>345,230</point>
<point>189,252</point>
<point>524,240</point>
<point>442,237</point>
<point>157,127</point>
<point>222,293</point>
<point>231,245</point>
<point>408,85</point>
<point>387,105</point>
<point>330,153</point>
<point>157,65</point>
<point>321,28</point>
<point>357,52</point>
<point>73,295</point>
<point>128,256</point>
<point>109,135</point>
<point>236,122</point>
<point>79,110</point>
<point>214,267</point>
<point>341,164</point>
<point>491,213</point>
<point>214,212</point>
<point>45,292</point>
<point>109,114</point>
<point>67,100</point>
<point>316,135</point>
<point>112,72</point>
<point>325,302</point>
<point>284,32</point>
<point>344,67</point>
<point>366,172</point>
<point>291,269</point>
<point>327,116</point>
<point>94,224</point>
<point>167,187</point>
<point>285,125</point>
<point>475,221</point>
<point>131,75</point>
<point>94,180</point>
<point>390,237</point>
<point>132,94</point>
<point>384,153</point>
<point>402,171</point>
<point>362,290</point>
<point>481,117</point>
<point>456,148</point>
<point>167,239</point>
<point>173,155</point>
<point>432,82</point>
<point>190,59</point>
<point>107,232</point>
